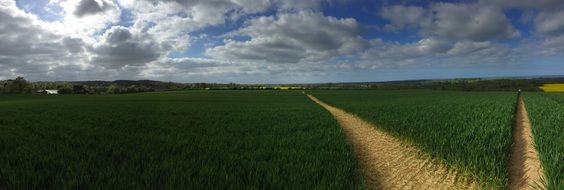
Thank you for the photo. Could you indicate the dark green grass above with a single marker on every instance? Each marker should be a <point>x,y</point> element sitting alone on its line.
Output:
<point>467,130</point>
<point>546,111</point>
<point>191,140</point>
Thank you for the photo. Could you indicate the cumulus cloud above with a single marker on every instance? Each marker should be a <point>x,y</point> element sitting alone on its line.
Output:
<point>543,4</point>
<point>86,17</point>
<point>406,52</point>
<point>205,69</point>
<point>551,46</point>
<point>171,20</point>
<point>73,45</point>
<point>28,46</point>
<point>120,48</point>
<point>140,39</point>
<point>404,16</point>
<point>430,52</point>
<point>291,38</point>
<point>453,21</point>
<point>550,22</point>
<point>91,7</point>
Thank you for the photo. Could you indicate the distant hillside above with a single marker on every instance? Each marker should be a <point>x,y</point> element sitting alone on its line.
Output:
<point>470,84</point>
<point>20,85</point>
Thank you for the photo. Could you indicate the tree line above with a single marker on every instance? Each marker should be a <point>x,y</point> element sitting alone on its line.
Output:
<point>21,86</point>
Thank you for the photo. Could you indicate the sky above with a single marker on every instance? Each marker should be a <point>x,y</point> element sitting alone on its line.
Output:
<point>279,41</point>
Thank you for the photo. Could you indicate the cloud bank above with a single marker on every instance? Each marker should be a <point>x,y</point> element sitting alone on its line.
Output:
<point>271,40</point>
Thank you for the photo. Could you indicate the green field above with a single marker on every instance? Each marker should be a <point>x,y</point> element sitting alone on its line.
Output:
<point>190,140</point>
<point>467,130</point>
<point>546,111</point>
<point>257,139</point>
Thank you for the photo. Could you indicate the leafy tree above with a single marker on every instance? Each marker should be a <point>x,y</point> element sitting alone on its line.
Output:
<point>65,90</point>
<point>18,85</point>
<point>113,89</point>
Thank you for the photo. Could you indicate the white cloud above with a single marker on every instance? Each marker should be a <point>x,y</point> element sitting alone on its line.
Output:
<point>552,46</point>
<point>544,4</point>
<point>204,69</point>
<point>392,52</point>
<point>86,17</point>
<point>120,47</point>
<point>404,16</point>
<point>87,43</point>
<point>432,52</point>
<point>453,21</point>
<point>550,22</point>
<point>293,37</point>
<point>31,47</point>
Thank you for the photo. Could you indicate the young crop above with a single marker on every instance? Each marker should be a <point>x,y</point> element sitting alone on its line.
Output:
<point>546,112</point>
<point>190,140</point>
<point>467,130</point>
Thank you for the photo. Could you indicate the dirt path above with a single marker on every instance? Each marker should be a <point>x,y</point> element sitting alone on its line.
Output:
<point>388,163</point>
<point>525,171</point>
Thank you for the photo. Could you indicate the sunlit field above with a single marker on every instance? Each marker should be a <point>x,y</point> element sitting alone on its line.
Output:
<point>553,87</point>
<point>547,117</point>
<point>470,131</point>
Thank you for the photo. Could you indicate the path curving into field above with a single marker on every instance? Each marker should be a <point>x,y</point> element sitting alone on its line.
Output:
<point>387,163</point>
<point>525,170</point>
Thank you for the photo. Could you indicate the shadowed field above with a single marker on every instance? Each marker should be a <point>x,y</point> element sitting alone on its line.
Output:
<point>193,140</point>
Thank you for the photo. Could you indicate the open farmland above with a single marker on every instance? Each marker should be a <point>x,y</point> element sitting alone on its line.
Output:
<point>192,140</point>
<point>466,130</point>
<point>546,111</point>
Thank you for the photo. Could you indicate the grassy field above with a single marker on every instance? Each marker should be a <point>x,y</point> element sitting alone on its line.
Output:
<point>191,140</point>
<point>546,112</point>
<point>467,130</point>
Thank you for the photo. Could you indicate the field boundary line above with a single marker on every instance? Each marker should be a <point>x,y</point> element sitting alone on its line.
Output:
<point>387,163</point>
<point>525,169</point>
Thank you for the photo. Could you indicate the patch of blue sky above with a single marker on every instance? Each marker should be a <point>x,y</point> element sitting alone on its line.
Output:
<point>366,14</point>
<point>212,36</point>
<point>126,18</point>
<point>517,18</point>
<point>42,8</point>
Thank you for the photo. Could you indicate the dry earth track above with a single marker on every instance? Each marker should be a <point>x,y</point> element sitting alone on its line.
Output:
<point>525,170</point>
<point>387,163</point>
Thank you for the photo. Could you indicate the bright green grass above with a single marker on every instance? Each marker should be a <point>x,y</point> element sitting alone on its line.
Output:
<point>546,111</point>
<point>467,130</point>
<point>191,140</point>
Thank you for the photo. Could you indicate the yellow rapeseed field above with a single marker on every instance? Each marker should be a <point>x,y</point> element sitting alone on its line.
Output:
<point>553,87</point>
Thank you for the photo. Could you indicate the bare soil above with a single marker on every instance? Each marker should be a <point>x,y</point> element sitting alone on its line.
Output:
<point>525,170</point>
<point>388,163</point>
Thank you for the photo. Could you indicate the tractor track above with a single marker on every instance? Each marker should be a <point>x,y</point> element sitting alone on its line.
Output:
<point>387,163</point>
<point>525,170</point>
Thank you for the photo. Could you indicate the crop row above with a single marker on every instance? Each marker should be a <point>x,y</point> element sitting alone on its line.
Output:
<point>546,112</point>
<point>466,130</point>
<point>194,140</point>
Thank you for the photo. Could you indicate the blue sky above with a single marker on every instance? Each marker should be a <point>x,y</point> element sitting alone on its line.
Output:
<point>279,41</point>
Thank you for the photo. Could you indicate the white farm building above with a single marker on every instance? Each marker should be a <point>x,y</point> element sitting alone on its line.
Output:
<point>48,91</point>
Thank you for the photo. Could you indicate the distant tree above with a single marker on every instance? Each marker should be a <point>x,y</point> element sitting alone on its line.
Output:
<point>132,89</point>
<point>65,90</point>
<point>113,89</point>
<point>142,89</point>
<point>19,85</point>
<point>77,89</point>
<point>101,89</point>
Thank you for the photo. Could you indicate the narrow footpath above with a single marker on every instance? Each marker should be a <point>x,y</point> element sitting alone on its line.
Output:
<point>525,171</point>
<point>387,163</point>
